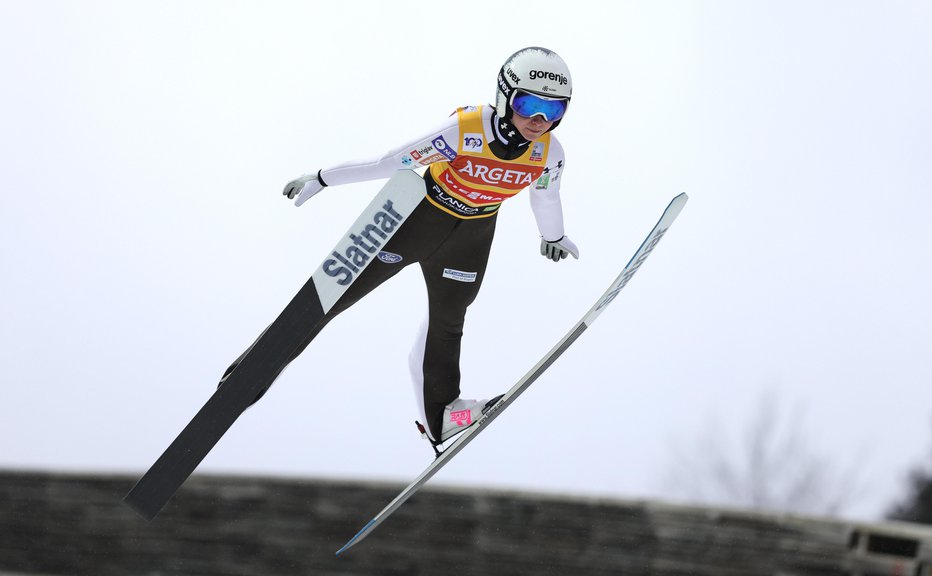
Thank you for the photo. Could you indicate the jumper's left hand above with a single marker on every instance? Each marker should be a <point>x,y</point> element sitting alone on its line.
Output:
<point>557,250</point>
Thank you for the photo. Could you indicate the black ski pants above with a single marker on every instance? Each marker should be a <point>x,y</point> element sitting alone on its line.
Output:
<point>452,253</point>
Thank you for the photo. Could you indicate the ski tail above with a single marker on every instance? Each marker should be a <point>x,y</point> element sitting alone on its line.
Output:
<point>360,535</point>
<point>156,487</point>
<point>272,351</point>
<point>669,215</point>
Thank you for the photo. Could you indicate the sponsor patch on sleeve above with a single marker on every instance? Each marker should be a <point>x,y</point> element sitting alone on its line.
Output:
<point>440,145</point>
<point>550,176</point>
<point>422,151</point>
<point>427,160</point>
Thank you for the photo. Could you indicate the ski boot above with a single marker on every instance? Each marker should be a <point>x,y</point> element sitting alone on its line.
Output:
<point>457,417</point>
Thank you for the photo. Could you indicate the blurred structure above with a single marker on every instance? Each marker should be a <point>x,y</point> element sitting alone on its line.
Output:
<point>69,525</point>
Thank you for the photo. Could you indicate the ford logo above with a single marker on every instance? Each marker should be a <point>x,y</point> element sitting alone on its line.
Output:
<point>389,258</point>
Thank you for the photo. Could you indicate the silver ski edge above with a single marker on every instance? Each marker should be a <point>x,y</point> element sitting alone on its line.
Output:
<point>669,215</point>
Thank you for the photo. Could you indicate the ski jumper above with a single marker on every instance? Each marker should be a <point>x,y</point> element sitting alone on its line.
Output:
<point>473,165</point>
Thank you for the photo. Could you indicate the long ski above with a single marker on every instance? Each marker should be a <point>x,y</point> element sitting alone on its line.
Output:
<point>460,442</point>
<point>257,369</point>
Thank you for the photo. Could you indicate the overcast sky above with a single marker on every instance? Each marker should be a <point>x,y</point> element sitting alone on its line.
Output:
<point>144,241</point>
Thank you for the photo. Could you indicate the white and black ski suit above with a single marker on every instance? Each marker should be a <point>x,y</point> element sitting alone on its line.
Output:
<point>474,162</point>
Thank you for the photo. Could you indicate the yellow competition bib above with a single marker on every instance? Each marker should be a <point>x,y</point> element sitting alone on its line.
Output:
<point>475,183</point>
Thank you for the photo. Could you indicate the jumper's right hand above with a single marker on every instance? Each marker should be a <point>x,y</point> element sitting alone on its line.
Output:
<point>301,189</point>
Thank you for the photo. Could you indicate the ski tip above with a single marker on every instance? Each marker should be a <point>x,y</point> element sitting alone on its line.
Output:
<point>348,545</point>
<point>675,206</point>
<point>357,538</point>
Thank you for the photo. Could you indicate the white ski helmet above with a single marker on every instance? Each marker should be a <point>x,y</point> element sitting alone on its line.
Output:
<point>534,70</point>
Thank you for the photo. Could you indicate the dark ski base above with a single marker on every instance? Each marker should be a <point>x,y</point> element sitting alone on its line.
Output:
<point>254,374</point>
<point>271,352</point>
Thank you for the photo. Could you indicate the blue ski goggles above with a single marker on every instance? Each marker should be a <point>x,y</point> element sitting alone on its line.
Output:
<point>528,105</point>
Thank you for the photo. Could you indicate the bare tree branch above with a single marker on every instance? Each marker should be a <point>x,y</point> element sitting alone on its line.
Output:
<point>775,466</point>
